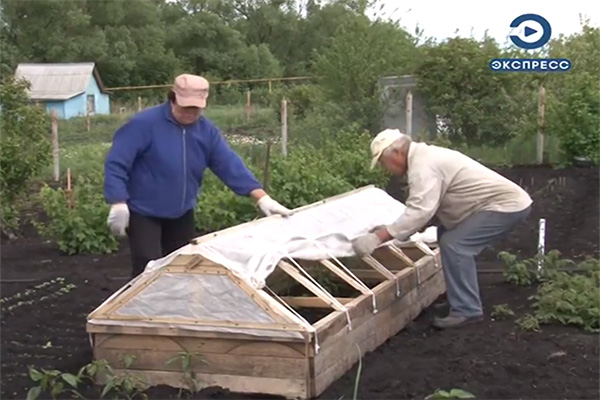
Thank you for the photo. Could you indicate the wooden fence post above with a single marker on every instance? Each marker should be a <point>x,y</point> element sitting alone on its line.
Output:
<point>139,104</point>
<point>69,189</point>
<point>55,148</point>
<point>409,112</point>
<point>541,120</point>
<point>284,128</point>
<point>88,121</point>
<point>248,105</point>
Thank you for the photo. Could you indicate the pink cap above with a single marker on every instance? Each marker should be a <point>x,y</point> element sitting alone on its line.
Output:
<point>191,90</point>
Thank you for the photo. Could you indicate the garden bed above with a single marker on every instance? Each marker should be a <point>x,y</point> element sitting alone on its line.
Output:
<point>495,359</point>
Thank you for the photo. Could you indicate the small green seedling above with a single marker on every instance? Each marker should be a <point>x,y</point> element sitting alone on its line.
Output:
<point>529,323</point>
<point>502,310</point>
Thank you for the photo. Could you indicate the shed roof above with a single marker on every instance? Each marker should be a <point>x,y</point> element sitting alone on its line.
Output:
<point>58,81</point>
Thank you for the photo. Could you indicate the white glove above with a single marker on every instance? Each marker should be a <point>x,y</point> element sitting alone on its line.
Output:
<point>269,206</point>
<point>118,219</point>
<point>366,244</point>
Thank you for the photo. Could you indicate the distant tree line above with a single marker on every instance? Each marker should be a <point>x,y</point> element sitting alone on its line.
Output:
<point>140,42</point>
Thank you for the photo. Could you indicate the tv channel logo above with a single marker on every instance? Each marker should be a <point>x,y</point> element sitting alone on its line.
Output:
<point>530,32</point>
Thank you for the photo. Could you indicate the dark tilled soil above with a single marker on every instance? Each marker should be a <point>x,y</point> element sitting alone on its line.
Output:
<point>492,360</point>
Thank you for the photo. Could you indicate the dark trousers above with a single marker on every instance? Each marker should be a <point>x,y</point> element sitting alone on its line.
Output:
<point>153,238</point>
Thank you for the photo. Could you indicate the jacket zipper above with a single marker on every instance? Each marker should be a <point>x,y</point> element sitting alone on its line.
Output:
<point>184,171</point>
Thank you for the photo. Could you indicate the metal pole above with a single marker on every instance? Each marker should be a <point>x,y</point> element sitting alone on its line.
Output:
<point>541,243</point>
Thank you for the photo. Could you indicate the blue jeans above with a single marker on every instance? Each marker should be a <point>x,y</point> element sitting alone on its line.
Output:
<point>458,248</point>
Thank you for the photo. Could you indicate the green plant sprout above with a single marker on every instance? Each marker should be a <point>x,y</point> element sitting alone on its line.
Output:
<point>502,310</point>
<point>189,375</point>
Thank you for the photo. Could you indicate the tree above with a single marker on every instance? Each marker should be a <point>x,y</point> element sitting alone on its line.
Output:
<point>573,111</point>
<point>476,105</point>
<point>360,53</point>
<point>24,149</point>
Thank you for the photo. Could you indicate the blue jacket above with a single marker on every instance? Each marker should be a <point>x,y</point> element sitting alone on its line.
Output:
<point>156,165</point>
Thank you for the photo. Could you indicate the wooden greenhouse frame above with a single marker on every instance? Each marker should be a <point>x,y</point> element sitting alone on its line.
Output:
<point>281,354</point>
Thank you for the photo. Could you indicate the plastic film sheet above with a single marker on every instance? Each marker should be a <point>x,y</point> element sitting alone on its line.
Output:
<point>195,297</point>
<point>319,232</point>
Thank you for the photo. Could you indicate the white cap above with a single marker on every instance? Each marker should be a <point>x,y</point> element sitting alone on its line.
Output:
<point>382,141</point>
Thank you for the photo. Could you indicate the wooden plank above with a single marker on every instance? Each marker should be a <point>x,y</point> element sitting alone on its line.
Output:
<point>210,323</point>
<point>385,293</point>
<point>369,274</point>
<point>290,388</point>
<point>208,363</point>
<point>201,345</point>
<point>200,269</point>
<point>96,328</point>
<point>312,302</point>
<point>339,355</point>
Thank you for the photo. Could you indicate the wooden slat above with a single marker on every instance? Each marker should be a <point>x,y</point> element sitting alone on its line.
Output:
<point>210,323</point>
<point>293,272</point>
<point>376,265</point>
<point>312,302</point>
<point>95,328</point>
<point>344,275</point>
<point>209,363</point>
<point>369,274</point>
<point>201,345</point>
<point>361,308</point>
<point>339,355</point>
<point>290,388</point>
<point>201,269</point>
<point>400,254</point>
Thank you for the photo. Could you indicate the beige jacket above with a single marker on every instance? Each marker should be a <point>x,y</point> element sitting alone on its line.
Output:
<point>452,186</point>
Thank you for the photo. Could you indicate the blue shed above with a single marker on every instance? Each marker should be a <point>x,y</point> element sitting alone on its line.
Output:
<point>69,88</point>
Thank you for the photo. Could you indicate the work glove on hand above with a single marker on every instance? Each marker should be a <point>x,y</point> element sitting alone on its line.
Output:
<point>269,207</point>
<point>118,219</point>
<point>366,244</point>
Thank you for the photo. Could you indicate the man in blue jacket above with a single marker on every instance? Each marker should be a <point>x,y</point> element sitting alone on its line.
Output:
<point>155,167</point>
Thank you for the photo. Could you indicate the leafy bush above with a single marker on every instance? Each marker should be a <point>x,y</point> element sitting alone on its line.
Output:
<point>218,207</point>
<point>570,299</point>
<point>303,177</point>
<point>79,227</point>
<point>567,293</point>
<point>25,148</point>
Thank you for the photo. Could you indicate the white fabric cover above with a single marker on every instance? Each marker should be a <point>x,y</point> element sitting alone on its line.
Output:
<point>314,233</point>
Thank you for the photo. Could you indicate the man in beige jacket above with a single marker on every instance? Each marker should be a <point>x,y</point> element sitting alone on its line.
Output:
<point>474,204</point>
